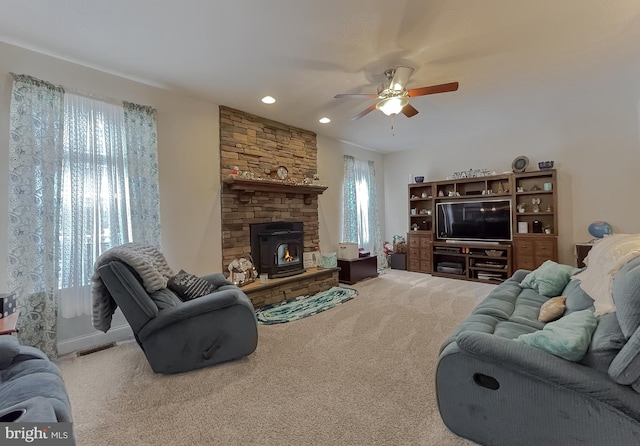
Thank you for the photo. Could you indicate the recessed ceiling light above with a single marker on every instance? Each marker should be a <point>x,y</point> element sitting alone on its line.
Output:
<point>325,120</point>
<point>268,100</point>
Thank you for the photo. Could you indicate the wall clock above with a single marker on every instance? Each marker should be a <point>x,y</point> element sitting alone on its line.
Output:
<point>281,173</point>
<point>520,164</point>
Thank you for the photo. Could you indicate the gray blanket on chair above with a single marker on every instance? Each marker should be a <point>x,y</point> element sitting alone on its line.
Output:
<point>146,260</point>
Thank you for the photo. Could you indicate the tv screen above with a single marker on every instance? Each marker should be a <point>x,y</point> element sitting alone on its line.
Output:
<point>474,220</point>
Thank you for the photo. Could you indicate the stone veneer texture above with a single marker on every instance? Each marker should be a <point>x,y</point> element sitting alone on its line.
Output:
<point>259,145</point>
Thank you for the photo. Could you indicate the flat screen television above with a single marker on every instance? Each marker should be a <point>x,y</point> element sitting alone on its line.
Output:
<point>486,220</point>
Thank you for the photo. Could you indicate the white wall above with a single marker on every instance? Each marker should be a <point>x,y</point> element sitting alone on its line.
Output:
<point>589,127</point>
<point>331,171</point>
<point>188,157</point>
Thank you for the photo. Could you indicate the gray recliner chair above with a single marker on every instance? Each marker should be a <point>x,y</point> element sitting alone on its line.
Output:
<point>178,336</point>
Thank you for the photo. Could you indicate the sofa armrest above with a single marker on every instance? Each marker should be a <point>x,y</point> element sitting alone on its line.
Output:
<point>519,275</point>
<point>541,365</point>
<point>195,307</point>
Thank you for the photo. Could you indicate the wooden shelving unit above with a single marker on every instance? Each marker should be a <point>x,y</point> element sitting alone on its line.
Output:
<point>535,191</point>
<point>535,194</point>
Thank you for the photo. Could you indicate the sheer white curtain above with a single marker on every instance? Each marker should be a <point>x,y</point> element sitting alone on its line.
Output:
<point>361,219</point>
<point>95,207</point>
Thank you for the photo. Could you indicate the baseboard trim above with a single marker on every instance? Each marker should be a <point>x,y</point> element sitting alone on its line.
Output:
<point>93,340</point>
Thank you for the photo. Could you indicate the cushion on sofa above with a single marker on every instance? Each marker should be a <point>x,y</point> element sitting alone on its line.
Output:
<point>625,368</point>
<point>626,296</point>
<point>549,279</point>
<point>552,309</point>
<point>577,299</point>
<point>606,342</point>
<point>188,286</point>
<point>568,337</point>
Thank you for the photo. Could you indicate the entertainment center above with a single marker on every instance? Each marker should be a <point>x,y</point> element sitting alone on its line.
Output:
<point>483,228</point>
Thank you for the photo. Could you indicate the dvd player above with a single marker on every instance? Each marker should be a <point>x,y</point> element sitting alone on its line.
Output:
<point>450,268</point>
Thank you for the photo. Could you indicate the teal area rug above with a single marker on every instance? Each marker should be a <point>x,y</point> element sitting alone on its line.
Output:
<point>301,307</point>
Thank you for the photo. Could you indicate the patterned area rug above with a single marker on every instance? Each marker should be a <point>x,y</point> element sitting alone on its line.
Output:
<point>300,307</point>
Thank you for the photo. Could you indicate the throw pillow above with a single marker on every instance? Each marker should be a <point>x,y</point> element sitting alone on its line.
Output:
<point>187,286</point>
<point>568,337</point>
<point>552,309</point>
<point>549,279</point>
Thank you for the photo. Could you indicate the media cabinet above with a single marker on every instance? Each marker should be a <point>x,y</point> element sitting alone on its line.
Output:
<point>534,225</point>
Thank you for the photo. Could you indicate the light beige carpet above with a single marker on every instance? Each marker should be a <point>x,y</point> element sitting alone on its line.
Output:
<point>359,374</point>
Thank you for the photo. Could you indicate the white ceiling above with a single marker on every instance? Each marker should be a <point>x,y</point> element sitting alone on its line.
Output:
<point>303,52</point>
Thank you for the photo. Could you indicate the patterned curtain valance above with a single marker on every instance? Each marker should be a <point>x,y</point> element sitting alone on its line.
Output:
<point>131,107</point>
<point>36,82</point>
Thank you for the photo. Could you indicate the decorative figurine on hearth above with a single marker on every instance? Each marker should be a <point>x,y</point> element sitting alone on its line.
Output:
<point>242,272</point>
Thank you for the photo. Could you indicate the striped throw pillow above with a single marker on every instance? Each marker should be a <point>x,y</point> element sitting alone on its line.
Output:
<point>187,286</point>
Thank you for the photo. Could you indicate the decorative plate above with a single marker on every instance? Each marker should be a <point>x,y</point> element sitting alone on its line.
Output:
<point>520,164</point>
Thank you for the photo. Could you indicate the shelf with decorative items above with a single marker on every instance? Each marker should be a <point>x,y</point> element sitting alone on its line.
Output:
<point>535,203</point>
<point>534,222</point>
<point>494,185</point>
<point>535,219</point>
<point>246,187</point>
<point>421,207</point>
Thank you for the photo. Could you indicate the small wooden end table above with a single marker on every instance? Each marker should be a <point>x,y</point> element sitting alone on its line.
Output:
<point>352,271</point>
<point>8,324</point>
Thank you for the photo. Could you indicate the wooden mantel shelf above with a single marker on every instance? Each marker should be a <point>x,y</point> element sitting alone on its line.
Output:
<point>247,187</point>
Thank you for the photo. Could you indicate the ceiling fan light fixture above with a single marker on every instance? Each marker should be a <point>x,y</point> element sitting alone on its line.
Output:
<point>393,105</point>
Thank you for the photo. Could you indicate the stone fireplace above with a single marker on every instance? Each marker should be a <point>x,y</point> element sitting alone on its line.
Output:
<point>277,248</point>
<point>258,146</point>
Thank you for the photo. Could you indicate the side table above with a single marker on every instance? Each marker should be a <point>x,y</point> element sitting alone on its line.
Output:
<point>352,271</point>
<point>8,324</point>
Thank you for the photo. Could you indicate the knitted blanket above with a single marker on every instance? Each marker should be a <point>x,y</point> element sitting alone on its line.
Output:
<point>606,257</point>
<point>146,260</point>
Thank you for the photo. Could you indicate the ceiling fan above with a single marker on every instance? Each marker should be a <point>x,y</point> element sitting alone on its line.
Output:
<point>393,95</point>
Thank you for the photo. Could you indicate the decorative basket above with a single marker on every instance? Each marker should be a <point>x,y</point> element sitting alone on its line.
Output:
<point>493,253</point>
<point>400,248</point>
<point>242,272</point>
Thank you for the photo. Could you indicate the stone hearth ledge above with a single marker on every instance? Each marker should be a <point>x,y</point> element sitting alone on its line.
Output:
<point>310,282</point>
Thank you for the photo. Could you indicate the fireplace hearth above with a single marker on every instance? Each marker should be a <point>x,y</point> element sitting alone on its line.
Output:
<point>277,248</point>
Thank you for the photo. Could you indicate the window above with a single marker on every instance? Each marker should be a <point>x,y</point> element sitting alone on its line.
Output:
<point>94,200</point>
<point>109,192</point>
<point>361,219</point>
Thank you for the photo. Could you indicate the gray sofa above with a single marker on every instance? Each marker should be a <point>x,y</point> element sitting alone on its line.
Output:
<point>31,386</point>
<point>495,390</point>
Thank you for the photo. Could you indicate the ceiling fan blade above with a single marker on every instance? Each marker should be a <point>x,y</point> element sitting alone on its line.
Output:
<point>400,78</point>
<point>362,96</point>
<point>364,112</point>
<point>433,89</point>
<point>409,110</point>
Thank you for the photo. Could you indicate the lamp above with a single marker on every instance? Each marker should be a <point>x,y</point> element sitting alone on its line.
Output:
<point>393,105</point>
